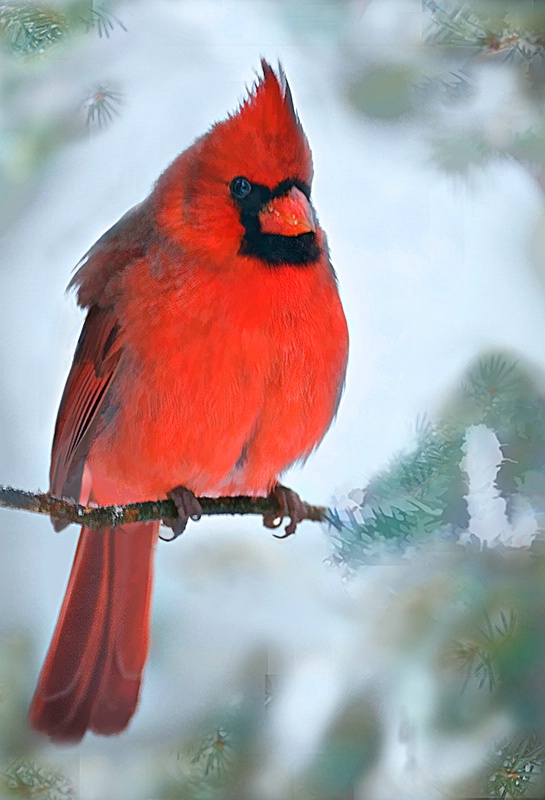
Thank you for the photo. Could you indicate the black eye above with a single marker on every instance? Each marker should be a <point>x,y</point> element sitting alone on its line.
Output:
<point>240,187</point>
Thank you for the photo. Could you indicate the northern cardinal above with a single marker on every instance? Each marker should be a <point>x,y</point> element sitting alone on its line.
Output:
<point>212,357</point>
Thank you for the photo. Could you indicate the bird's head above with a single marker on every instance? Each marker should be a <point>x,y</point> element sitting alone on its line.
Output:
<point>244,187</point>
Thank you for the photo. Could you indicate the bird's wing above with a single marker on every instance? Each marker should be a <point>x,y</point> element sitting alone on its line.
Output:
<point>99,285</point>
<point>94,366</point>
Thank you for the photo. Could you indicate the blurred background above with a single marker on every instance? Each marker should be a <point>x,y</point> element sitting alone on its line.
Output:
<point>398,651</point>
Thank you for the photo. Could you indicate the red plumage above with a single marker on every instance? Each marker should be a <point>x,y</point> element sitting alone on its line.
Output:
<point>212,357</point>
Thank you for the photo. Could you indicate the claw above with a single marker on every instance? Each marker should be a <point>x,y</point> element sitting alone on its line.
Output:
<point>188,507</point>
<point>291,506</point>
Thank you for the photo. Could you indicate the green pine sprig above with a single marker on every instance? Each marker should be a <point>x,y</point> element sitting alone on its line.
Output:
<point>103,21</point>
<point>515,766</point>
<point>31,27</point>
<point>402,506</point>
<point>214,752</point>
<point>488,28</point>
<point>27,778</point>
<point>480,659</point>
<point>422,492</point>
<point>101,105</point>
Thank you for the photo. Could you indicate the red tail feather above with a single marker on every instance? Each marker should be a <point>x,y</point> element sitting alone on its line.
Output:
<point>92,674</point>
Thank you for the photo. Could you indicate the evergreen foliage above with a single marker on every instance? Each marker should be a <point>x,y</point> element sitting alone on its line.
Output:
<point>489,26</point>
<point>515,766</point>
<point>437,84</point>
<point>469,35</point>
<point>26,778</point>
<point>101,106</point>
<point>43,106</point>
<point>31,28</point>
<point>422,491</point>
<point>415,512</point>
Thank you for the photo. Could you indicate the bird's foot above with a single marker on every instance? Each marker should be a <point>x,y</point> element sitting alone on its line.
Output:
<point>188,507</point>
<point>291,506</point>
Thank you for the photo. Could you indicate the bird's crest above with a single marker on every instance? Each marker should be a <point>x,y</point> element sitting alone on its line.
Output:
<point>263,139</point>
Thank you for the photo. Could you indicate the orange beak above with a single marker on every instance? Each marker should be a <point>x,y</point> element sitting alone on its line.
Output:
<point>288,215</point>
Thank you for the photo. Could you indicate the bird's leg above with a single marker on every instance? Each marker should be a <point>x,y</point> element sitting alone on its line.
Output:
<point>291,506</point>
<point>188,507</point>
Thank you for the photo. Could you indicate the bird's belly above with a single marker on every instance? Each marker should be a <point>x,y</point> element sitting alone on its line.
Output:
<point>224,425</point>
<point>189,429</point>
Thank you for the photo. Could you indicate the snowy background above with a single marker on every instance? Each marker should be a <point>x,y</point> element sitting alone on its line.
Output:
<point>432,270</point>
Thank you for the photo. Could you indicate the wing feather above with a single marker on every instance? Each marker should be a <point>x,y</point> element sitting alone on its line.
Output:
<point>83,399</point>
<point>98,282</point>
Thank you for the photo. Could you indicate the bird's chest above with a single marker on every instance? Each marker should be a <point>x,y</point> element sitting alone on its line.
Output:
<point>215,342</point>
<point>222,386</point>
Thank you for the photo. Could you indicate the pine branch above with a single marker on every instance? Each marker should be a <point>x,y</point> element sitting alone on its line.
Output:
<point>27,778</point>
<point>214,753</point>
<point>33,27</point>
<point>100,105</point>
<point>112,516</point>
<point>515,765</point>
<point>488,27</point>
<point>103,20</point>
<point>423,492</point>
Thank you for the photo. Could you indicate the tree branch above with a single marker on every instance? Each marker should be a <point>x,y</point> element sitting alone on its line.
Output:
<point>112,516</point>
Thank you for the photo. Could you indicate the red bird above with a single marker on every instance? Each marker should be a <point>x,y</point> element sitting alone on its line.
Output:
<point>212,357</point>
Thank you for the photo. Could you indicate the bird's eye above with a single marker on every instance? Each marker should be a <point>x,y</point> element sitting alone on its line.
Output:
<point>240,187</point>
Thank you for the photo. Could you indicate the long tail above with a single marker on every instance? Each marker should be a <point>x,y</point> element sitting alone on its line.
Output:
<point>91,676</point>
